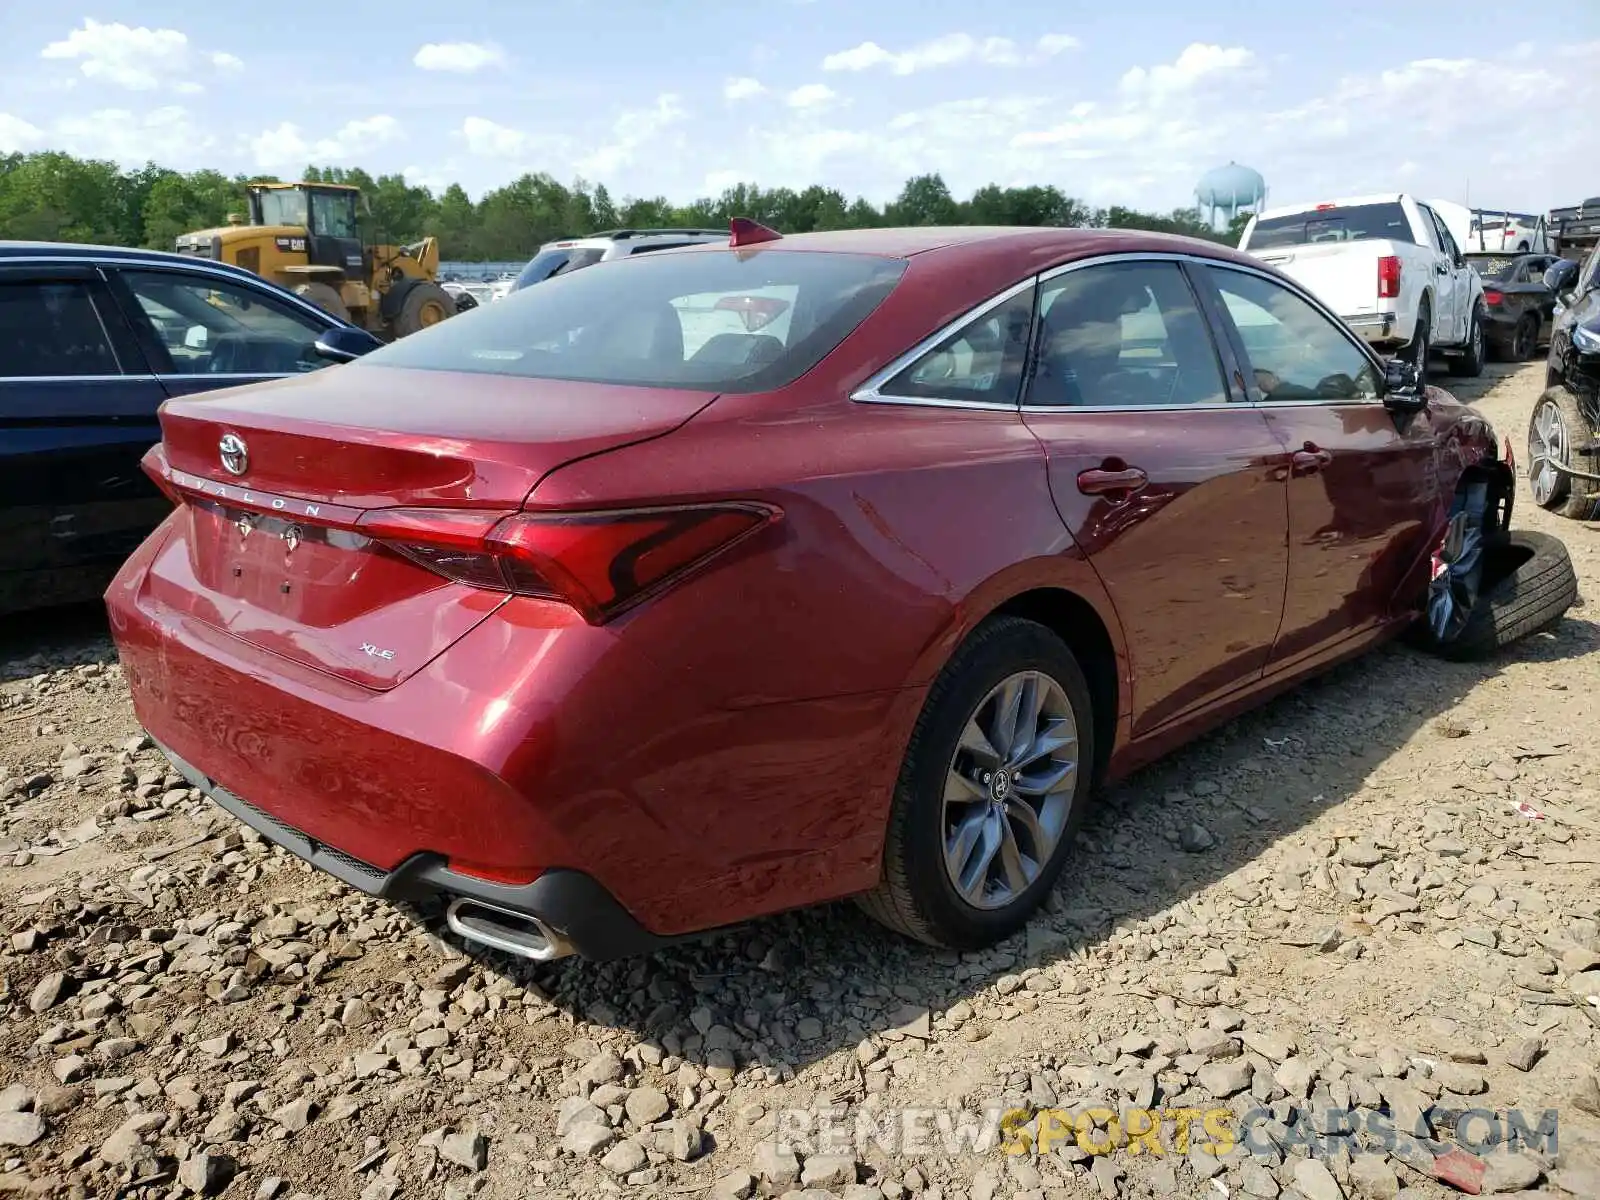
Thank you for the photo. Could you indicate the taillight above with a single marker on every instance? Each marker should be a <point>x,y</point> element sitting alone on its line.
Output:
<point>154,464</point>
<point>1389,277</point>
<point>600,563</point>
<point>1492,299</point>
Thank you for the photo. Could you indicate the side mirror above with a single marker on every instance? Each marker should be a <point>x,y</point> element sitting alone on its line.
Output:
<point>345,342</point>
<point>1561,275</point>
<point>1402,386</point>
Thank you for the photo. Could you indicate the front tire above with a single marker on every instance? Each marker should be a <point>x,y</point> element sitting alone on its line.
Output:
<point>1528,585</point>
<point>993,786</point>
<point>425,304</point>
<point>1555,429</point>
<point>325,297</point>
<point>1470,361</point>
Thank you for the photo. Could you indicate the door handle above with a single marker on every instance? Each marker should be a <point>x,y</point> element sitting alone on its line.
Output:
<point>1103,481</point>
<point>1310,460</point>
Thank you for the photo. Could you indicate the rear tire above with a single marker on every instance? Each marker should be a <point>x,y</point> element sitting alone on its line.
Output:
<point>324,297</point>
<point>1528,585</point>
<point>1469,362</point>
<point>955,824</point>
<point>1556,427</point>
<point>1525,342</point>
<point>1417,352</point>
<point>425,304</point>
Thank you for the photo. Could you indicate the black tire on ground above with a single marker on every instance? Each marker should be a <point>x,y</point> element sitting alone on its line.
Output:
<point>1528,583</point>
<point>1525,342</point>
<point>425,304</point>
<point>1470,361</point>
<point>1417,351</point>
<point>916,896</point>
<point>325,297</point>
<point>1558,424</point>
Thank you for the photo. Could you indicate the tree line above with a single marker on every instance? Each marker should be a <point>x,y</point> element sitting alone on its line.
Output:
<point>51,196</point>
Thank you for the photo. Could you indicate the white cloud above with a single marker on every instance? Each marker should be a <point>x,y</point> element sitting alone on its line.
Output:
<point>1056,43</point>
<point>169,135</point>
<point>811,96</point>
<point>1199,62</point>
<point>138,58</point>
<point>286,147</point>
<point>493,140</point>
<point>16,134</point>
<point>950,50</point>
<point>461,57</point>
<point>631,132</point>
<point>742,88</point>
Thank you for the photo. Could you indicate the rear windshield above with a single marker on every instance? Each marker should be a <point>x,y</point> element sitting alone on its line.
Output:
<point>1493,266</point>
<point>548,263</point>
<point>714,321</point>
<point>1351,223</point>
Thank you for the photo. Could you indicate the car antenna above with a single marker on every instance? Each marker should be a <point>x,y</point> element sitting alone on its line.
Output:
<point>745,232</point>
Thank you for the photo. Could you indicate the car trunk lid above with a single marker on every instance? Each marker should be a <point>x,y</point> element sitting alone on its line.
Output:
<point>280,482</point>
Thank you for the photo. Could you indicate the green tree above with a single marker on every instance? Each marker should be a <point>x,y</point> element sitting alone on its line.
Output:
<point>925,200</point>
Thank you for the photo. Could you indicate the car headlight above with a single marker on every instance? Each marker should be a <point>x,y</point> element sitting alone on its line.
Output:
<point>1586,339</point>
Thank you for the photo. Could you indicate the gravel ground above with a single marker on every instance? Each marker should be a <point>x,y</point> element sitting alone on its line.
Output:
<point>1329,914</point>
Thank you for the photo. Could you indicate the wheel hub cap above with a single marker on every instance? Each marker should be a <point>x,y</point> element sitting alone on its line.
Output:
<point>1547,446</point>
<point>1009,789</point>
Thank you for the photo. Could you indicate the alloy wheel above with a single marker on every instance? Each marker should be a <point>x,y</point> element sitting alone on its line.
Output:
<point>1548,444</point>
<point>1009,789</point>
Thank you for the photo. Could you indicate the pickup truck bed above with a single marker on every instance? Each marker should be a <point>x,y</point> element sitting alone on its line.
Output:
<point>1575,228</point>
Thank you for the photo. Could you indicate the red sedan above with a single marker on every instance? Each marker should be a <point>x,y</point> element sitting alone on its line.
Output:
<point>723,581</point>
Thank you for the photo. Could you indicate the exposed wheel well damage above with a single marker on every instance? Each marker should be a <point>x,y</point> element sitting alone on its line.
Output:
<point>1478,525</point>
<point>1075,621</point>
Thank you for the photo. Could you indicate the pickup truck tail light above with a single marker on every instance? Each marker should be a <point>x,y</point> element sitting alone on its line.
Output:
<point>1492,299</point>
<point>1389,277</point>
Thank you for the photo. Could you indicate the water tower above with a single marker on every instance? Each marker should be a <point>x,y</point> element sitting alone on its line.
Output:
<point>1222,194</point>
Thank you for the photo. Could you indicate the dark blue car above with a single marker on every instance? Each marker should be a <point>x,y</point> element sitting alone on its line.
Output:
<point>92,340</point>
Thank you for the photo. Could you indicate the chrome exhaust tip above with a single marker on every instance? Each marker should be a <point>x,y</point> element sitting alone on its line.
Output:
<point>502,929</point>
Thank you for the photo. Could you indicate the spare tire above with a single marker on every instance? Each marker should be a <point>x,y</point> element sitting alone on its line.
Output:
<point>1528,583</point>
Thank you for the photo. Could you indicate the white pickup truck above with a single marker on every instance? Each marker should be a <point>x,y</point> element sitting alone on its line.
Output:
<point>1386,264</point>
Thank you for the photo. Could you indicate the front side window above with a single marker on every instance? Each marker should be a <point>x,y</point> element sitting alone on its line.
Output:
<point>1123,335</point>
<point>982,361</point>
<point>721,321</point>
<point>1295,351</point>
<point>333,214</point>
<point>213,327</point>
<point>282,206</point>
<point>51,327</point>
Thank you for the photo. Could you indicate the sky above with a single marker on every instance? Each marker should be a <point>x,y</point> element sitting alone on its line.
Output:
<point>1114,104</point>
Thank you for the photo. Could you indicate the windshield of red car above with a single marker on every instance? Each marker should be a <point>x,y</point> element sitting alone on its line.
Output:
<point>721,321</point>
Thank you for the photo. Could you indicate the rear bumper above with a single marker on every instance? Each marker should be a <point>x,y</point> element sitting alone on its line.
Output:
<point>539,764</point>
<point>1378,329</point>
<point>588,917</point>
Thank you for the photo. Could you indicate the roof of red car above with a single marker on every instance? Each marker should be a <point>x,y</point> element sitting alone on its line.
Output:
<point>902,242</point>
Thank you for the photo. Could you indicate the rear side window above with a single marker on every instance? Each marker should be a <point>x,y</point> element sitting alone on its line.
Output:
<point>556,262</point>
<point>1123,335</point>
<point>716,321</point>
<point>1350,223</point>
<point>52,328</point>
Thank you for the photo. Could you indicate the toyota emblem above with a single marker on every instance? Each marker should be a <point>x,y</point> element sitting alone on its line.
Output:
<point>235,455</point>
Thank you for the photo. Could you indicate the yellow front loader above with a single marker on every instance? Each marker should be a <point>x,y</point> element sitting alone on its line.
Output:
<point>305,237</point>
